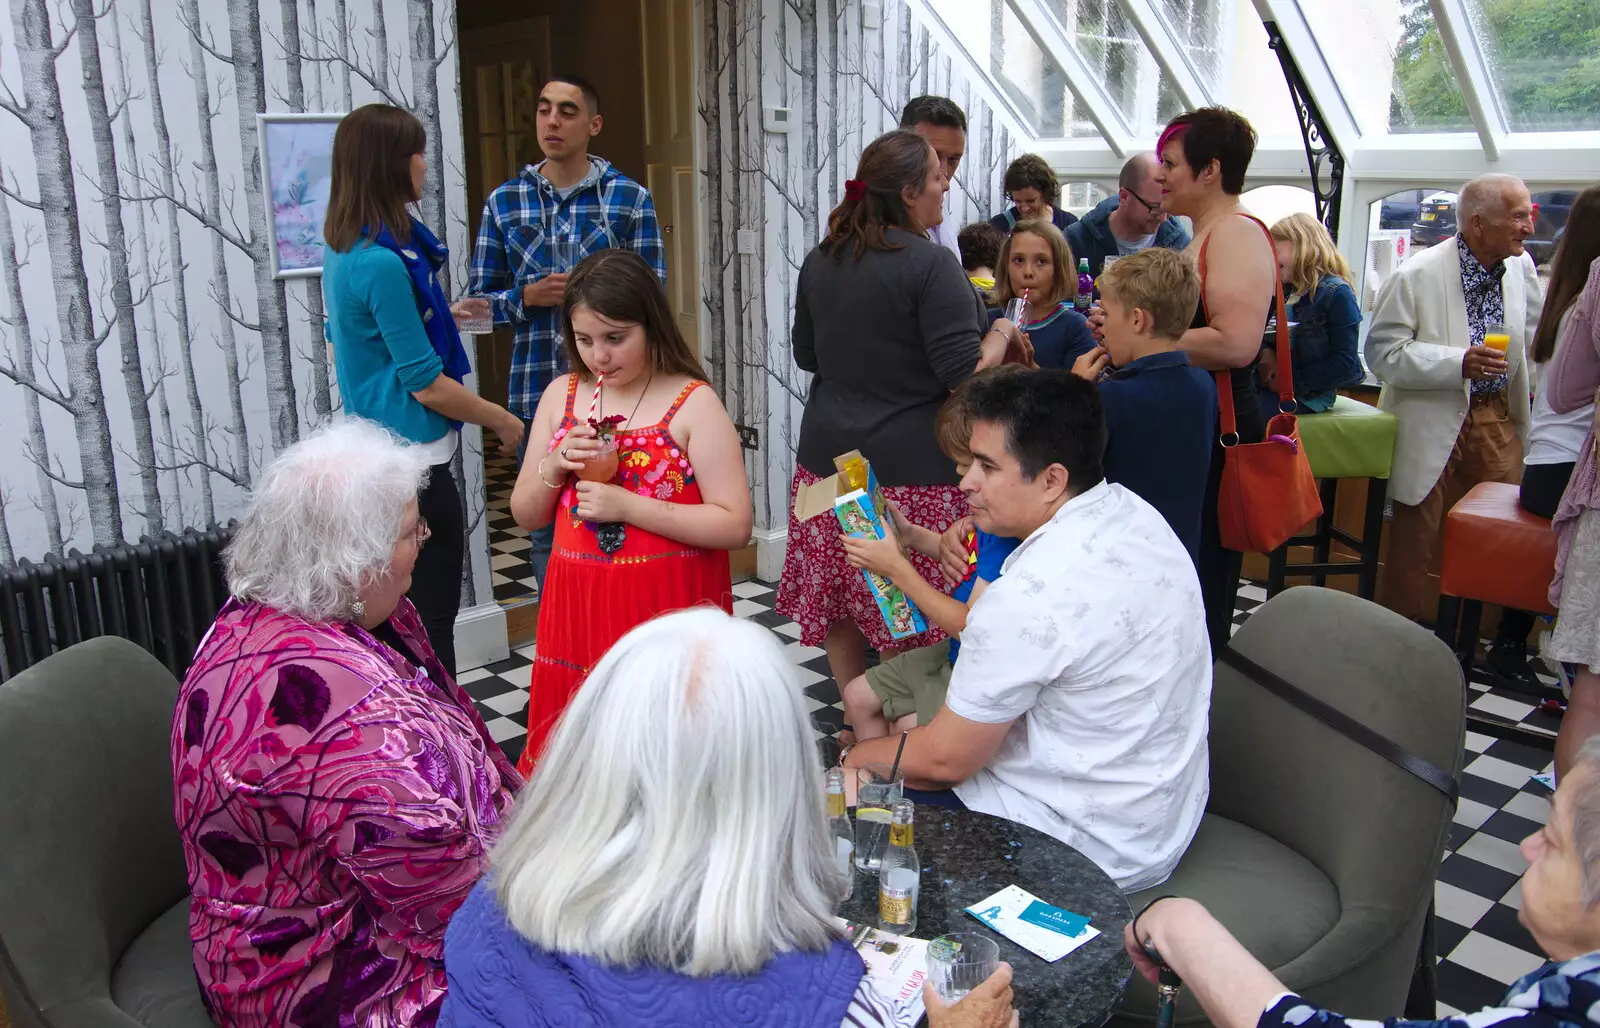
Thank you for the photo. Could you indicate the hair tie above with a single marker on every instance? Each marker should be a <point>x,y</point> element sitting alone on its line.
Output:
<point>854,189</point>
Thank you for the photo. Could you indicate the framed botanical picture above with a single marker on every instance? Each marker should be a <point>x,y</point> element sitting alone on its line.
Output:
<point>296,172</point>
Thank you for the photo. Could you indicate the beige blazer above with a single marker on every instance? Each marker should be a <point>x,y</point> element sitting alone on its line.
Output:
<point>1415,346</point>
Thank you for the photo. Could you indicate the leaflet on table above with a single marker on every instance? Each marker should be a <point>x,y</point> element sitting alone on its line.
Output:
<point>897,963</point>
<point>1033,924</point>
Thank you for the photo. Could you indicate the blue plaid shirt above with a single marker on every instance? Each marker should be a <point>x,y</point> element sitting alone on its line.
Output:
<point>525,223</point>
<point>1486,305</point>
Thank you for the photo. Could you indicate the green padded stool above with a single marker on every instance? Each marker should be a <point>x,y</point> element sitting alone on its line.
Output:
<point>1349,440</point>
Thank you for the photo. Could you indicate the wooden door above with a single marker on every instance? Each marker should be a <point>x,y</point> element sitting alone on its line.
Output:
<point>669,127</point>
<point>502,70</point>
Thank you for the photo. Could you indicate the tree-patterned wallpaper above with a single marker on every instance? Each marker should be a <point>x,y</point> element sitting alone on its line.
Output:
<point>845,82</point>
<point>149,362</point>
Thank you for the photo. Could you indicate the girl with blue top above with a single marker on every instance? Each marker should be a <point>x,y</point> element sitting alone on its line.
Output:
<point>1036,262</point>
<point>1325,317</point>
<point>396,349</point>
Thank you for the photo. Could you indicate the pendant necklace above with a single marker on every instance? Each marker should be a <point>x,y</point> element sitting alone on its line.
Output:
<point>610,535</point>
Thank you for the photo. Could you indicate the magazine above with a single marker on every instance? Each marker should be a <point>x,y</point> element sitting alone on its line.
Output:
<point>897,964</point>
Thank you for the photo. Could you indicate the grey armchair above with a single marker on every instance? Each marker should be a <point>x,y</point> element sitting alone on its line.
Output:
<point>1316,853</point>
<point>94,899</point>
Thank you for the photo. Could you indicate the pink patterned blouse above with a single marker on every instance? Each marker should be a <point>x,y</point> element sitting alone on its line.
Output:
<point>336,803</point>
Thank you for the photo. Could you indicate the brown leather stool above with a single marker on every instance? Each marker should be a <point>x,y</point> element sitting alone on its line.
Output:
<point>1494,552</point>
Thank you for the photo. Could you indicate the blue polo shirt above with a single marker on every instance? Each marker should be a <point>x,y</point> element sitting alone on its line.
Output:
<point>1161,424</point>
<point>992,553</point>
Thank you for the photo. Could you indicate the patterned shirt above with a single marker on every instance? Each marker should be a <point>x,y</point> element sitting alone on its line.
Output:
<point>1554,996</point>
<point>1094,645</point>
<point>529,230</point>
<point>1486,305</point>
<point>335,804</point>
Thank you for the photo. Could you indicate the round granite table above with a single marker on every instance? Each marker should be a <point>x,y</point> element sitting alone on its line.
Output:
<point>967,857</point>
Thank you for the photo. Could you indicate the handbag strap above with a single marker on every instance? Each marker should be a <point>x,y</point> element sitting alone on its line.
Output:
<point>1230,424</point>
<point>1344,724</point>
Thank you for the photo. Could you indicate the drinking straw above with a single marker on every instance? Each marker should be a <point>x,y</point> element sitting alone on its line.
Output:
<point>894,769</point>
<point>599,380</point>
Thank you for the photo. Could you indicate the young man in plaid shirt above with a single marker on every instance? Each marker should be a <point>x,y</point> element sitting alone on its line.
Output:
<point>538,226</point>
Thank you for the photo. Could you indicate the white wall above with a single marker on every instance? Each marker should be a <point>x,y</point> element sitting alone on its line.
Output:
<point>207,367</point>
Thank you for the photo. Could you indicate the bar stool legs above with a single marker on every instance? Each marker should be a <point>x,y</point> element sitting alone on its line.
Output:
<point>1325,534</point>
<point>1457,624</point>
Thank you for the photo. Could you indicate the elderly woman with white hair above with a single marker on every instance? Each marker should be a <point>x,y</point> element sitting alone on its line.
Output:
<point>1560,907</point>
<point>648,878</point>
<point>336,792</point>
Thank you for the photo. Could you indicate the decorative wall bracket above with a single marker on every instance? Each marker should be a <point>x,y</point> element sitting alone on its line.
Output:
<point>1322,153</point>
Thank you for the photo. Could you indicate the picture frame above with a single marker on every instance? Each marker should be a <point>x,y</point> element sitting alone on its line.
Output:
<point>296,173</point>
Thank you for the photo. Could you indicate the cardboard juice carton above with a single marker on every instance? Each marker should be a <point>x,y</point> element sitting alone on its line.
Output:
<point>854,497</point>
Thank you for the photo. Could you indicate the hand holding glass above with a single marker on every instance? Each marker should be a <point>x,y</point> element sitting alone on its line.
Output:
<point>577,448</point>
<point>601,465</point>
<point>959,962</point>
<point>474,315</point>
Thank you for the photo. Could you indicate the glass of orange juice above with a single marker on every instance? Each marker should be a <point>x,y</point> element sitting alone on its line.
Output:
<point>1496,337</point>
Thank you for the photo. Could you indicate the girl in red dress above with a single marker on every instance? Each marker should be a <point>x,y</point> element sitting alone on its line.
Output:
<point>645,529</point>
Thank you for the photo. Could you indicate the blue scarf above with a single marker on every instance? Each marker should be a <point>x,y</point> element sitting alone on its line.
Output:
<point>423,259</point>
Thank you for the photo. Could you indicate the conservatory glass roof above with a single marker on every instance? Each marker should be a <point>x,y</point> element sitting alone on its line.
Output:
<point>1407,88</point>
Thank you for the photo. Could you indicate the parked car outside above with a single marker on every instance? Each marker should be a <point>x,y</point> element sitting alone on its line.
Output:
<point>1436,220</point>
<point>1400,210</point>
<point>1549,218</point>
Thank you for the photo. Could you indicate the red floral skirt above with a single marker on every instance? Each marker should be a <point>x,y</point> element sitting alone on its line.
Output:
<point>819,586</point>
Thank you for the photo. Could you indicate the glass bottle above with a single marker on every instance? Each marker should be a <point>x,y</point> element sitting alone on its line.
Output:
<point>900,875</point>
<point>844,839</point>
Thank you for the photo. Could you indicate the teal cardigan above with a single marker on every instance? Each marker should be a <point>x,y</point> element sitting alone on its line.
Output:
<point>381,352</point>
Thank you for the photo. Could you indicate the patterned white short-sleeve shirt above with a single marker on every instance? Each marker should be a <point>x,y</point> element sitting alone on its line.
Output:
<point>1094,642</point>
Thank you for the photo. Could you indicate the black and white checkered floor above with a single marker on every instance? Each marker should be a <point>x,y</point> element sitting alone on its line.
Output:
<point>1482,947</point>
<point>509,570</point>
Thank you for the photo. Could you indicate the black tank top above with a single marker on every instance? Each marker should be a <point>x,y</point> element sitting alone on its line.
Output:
<point>1246,408</point>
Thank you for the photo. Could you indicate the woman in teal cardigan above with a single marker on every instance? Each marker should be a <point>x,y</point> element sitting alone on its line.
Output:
<point>396,349</point>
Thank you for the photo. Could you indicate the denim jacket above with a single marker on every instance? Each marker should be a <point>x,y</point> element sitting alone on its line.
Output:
<point>1324,342</point>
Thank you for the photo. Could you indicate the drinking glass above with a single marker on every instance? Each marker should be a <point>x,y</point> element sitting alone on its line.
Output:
<point>959,962</point>
<point>565,253</point>
<point>877,786</point>
<point>1017,311</point>
<point>602,467</point>
<point>1497,337</point>
<point>477,326</point>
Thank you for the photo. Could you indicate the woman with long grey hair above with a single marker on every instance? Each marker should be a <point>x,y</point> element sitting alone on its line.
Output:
<point>670,858</point>
<point>336,792</point>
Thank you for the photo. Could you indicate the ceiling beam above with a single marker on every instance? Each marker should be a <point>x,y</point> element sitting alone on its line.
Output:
<point>1168,51</point>
<point>1473,76</point>
<point>981,79</point>
<point>1082,80</point>
<point>1340,121</point>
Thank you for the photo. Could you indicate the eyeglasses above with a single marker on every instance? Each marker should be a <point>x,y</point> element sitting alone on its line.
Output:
<point>1151,207</point>
<point>423,533</point>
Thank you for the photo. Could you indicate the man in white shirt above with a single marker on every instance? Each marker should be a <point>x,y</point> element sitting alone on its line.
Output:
<point>943,124</point>
<point>1079,703</point>
<point>1462,404</point>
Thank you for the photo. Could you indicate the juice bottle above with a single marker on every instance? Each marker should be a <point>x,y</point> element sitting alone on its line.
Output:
<point>1085,298</point>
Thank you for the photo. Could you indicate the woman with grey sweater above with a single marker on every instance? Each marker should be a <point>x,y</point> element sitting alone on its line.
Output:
<point>887,323</point>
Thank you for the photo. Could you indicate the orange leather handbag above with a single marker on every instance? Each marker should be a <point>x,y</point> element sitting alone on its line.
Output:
<point>1268,492</point>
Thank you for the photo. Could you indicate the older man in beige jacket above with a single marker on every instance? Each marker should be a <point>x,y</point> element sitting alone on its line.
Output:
<point>1463,407</point>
